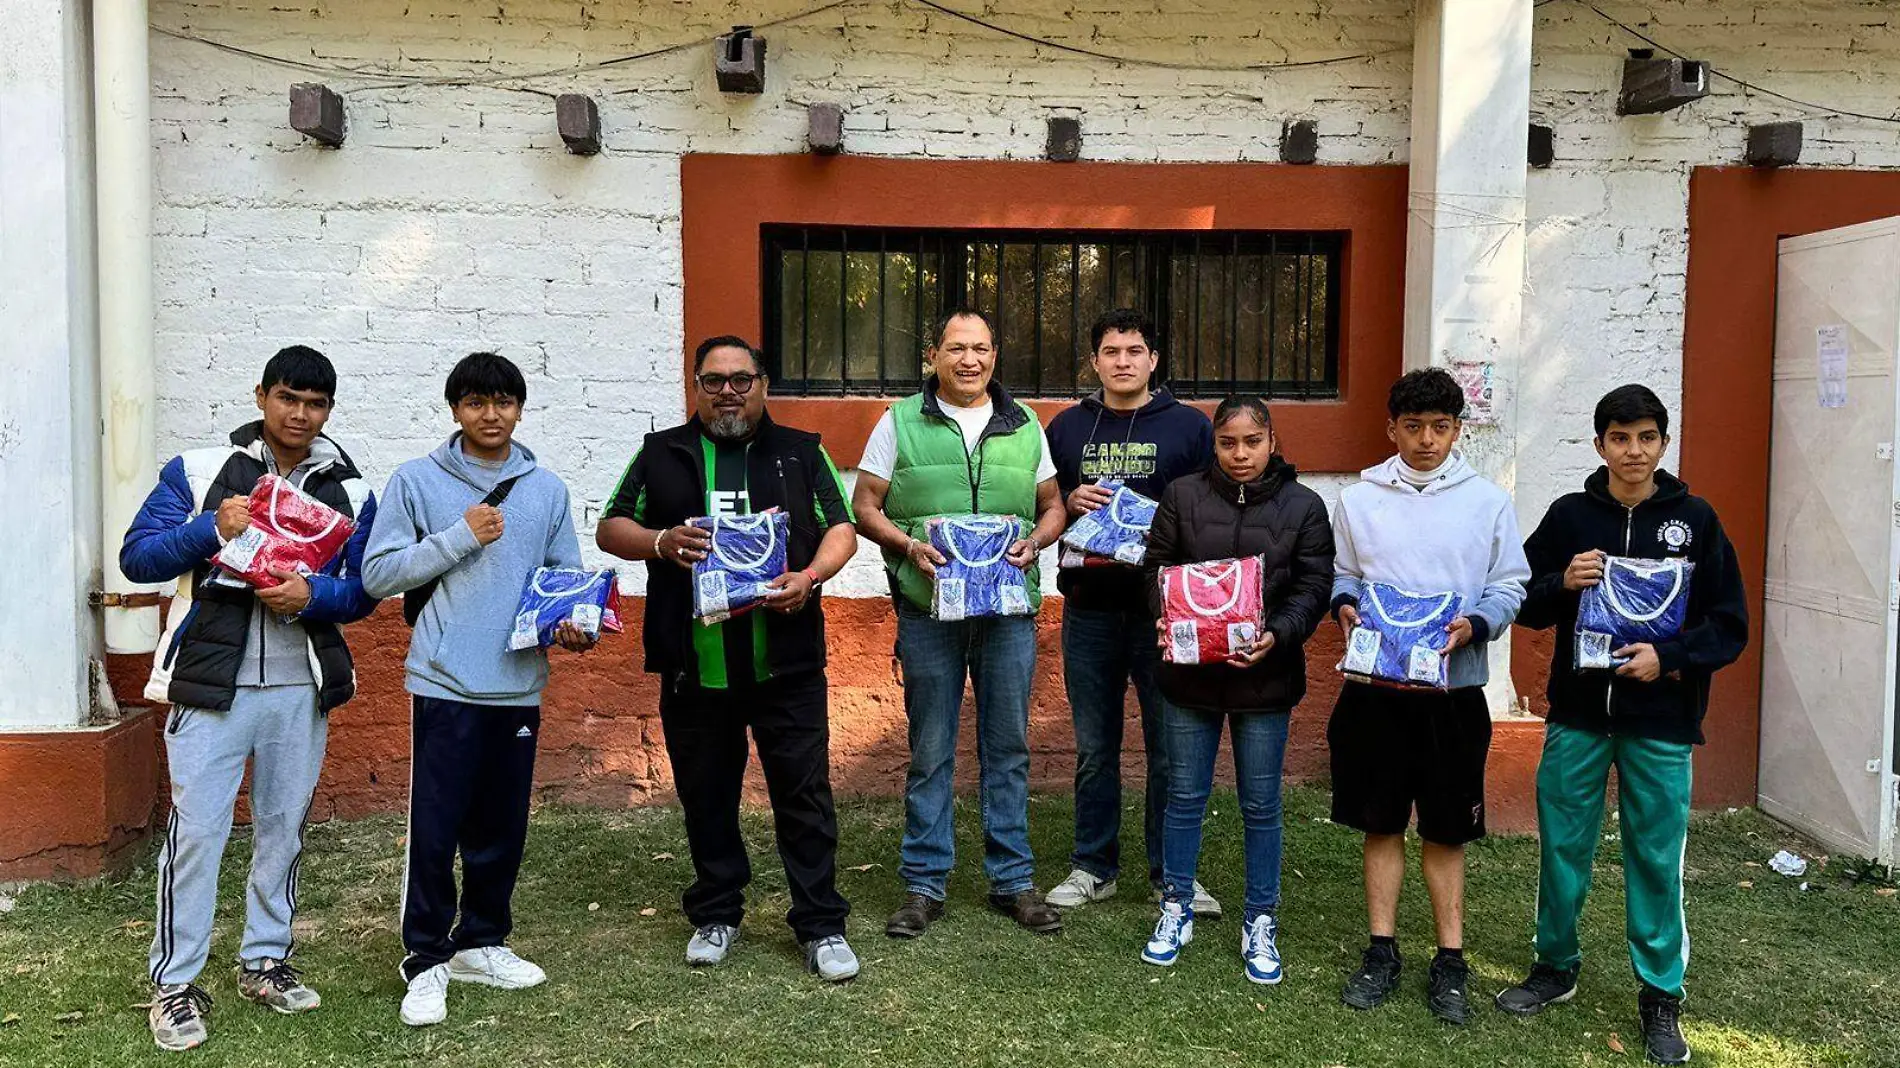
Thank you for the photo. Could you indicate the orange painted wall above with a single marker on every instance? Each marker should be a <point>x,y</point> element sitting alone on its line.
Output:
<point>724,200</point>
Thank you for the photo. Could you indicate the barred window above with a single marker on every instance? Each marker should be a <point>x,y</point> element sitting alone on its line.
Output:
<point>849,311</point>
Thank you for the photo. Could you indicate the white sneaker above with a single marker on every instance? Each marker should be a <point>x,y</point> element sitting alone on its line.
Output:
<point>1204,904</point>
<point>427,1001</point>
<point>831,959</point>
<point>1259,947</point>
<point>495,966</point>
<point>1174,930</point>
<point>710,944</point>
<point>1080,888</point>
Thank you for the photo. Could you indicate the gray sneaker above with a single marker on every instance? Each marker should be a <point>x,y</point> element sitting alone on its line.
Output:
<point>1205,907</point>
<point>710,944</point>
<point>278,985</point>
<point>1079,889</point>
<point>831,959</point>
<point>178,1016</point>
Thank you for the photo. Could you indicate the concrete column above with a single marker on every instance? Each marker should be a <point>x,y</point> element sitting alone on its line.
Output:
<point>123,111</point>
<point>49,412</point>
<point>1464,262</point>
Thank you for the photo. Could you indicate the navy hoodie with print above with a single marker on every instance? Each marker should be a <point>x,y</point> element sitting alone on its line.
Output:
<point>1146,449</point>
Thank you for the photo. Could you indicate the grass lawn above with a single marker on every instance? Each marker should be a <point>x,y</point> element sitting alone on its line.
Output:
<point>1780,977</point>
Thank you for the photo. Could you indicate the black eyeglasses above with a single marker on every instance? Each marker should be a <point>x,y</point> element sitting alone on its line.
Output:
<point>741,383</point>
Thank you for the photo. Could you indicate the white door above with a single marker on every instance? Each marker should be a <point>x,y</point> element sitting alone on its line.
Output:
<point>1829,633</point>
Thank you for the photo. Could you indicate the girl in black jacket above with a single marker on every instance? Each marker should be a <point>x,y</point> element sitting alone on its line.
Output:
<point>1248,504</point>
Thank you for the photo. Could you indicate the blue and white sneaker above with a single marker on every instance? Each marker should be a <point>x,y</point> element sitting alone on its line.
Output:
<point>1259,947</point>
<point>1174,930</point>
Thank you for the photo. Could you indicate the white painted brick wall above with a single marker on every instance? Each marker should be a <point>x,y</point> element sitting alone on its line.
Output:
<point>453,220</point>
<point>1608,241</point>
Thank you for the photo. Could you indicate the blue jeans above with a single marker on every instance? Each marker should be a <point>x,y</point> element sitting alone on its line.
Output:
<point>998,656</point>
<point>1102,651</point>
<point>1259,754</point>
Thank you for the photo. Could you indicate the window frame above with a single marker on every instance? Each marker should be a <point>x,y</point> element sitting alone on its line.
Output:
<point>1155,255</point>
<point>726,199</point>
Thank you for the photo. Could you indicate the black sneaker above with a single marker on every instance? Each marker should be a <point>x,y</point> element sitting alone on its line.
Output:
<point>1446,994</point>
<point>1545,986</point>
<point>1377,977</point>
<point>1662,1027</point>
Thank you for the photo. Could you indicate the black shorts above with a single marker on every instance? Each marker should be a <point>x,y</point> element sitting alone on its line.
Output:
<point>1396,749</point>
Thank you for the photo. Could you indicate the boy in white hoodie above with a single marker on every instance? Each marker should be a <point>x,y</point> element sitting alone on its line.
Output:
<point>1425,522</point>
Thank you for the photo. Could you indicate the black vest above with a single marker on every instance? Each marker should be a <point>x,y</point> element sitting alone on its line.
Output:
<point>209,648</point>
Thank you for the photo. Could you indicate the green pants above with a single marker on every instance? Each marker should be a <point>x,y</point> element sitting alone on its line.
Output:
<point>1653,798</point>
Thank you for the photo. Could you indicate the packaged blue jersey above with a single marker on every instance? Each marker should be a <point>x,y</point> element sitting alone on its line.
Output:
<point>748,552</point>
<point>977,580</point>
<point>591,599</point>
<point>1401,636</point>
<point>1118,529</point>
<point>1638,601</point>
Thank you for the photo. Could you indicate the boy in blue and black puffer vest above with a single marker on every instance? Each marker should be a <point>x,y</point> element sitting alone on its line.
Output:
<point>251,674</point>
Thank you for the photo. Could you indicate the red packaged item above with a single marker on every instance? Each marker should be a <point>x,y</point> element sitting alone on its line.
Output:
<point>1213,610</point>
<point>289,531</point>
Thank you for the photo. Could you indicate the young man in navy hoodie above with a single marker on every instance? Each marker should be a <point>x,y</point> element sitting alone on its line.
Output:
<point>1140,435</point>
<point>1644,718</point>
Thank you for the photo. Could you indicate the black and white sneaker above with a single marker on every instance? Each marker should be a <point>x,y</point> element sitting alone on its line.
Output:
<point>1544,987</point>
<point>1377,977</point>
<point>1445,995</point>
<point>1662,1027</point>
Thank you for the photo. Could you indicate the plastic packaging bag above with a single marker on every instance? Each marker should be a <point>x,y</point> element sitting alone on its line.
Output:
<point>1401,637</point>
<point>289,530</point>
<point>748,552</point>
<point>1213,610</point>
<point>977,580</point>
<point>1117,530</point>
<point>1637,601</point>
<point>555,594</point>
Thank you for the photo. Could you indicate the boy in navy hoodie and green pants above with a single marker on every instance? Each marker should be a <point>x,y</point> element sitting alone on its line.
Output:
<point>1644,718</point>
<point>1141,436</point>
<point>474,518</point>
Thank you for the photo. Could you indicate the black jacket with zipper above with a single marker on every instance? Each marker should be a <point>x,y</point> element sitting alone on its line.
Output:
<point>665,486</point>
<point>1208,516</point>
<point>1671,523</point>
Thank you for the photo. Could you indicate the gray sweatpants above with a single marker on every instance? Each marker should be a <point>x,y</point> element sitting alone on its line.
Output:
<point>282,729</point>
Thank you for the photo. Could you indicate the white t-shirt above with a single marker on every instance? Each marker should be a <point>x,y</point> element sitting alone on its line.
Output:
<point>880,451</point>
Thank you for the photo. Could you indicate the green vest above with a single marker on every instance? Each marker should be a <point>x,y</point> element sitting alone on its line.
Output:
<point>933,473</point>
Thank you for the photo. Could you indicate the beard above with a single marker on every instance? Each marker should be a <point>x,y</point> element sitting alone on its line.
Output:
<point>730,425</point>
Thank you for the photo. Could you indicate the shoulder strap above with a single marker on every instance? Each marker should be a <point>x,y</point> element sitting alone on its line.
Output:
<point>501,491</point>
<point>414,601</point>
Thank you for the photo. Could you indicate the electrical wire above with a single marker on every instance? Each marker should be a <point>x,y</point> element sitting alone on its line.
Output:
<point>381,79</point>
<point>1141,61</point>
<point>1824,109</point>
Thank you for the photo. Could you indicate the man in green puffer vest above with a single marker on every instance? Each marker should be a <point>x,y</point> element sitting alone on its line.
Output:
<point>961,446</point>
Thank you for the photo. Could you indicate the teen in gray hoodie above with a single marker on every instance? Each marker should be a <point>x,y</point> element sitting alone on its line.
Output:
<point>475,518</point>
<point>1425,522</point>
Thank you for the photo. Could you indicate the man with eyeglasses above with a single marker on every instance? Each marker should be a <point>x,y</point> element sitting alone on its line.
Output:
<point>764,670</point>
<point>962,445</point>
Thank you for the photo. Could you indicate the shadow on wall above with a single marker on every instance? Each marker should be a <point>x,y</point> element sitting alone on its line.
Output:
<point>601,743</point>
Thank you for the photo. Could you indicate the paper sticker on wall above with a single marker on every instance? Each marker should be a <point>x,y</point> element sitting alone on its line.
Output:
<point>1830,346</point>
<point>1476,380</point>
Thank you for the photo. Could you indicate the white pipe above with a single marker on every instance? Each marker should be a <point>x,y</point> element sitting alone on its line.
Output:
<point>128,381</point>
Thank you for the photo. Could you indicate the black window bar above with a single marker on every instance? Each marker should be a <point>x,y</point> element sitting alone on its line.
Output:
<point>848,311</point>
